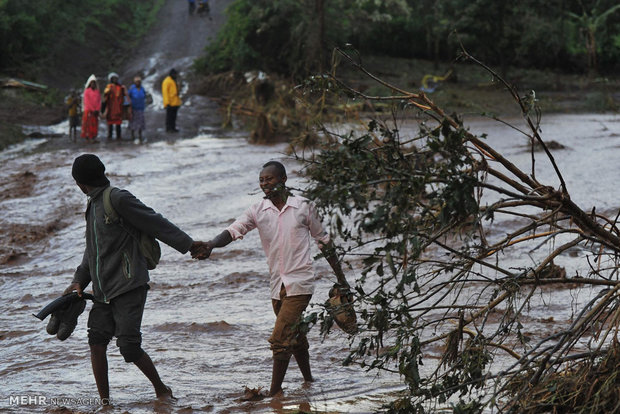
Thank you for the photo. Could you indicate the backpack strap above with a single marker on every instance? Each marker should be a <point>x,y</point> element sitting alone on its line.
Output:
<point>149,247</point>
<point>111,216</point>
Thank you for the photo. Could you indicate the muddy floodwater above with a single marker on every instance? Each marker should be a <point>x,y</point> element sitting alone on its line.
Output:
<point>206,324</point>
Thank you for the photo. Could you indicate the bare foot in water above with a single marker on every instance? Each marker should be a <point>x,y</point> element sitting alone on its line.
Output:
<point>278,394</point>
<point>165,394</point>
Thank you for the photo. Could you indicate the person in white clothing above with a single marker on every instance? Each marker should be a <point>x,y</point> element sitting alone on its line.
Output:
<point>286,224</point>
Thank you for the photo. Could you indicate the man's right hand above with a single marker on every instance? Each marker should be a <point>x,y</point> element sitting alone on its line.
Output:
<point>73,287</point>
<point>201,250</point>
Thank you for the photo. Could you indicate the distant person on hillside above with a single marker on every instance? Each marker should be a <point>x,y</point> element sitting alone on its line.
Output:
<point>92,104</point>
<point>192,6</point>
<point>203,9</point>
<point>137,95</point>
<point>74,108</point>
<point>114,97</point>
<point>172,102</point>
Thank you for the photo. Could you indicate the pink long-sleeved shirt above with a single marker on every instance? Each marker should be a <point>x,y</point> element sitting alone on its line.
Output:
<point>285,235</point>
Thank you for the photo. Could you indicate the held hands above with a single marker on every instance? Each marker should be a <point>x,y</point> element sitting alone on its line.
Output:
<point>201,250</point>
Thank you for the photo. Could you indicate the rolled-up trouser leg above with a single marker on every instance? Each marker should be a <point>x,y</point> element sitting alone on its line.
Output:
<point>286,339</point>
<point>128,310</point>
<point>122,318</point>
<point>100,324</point>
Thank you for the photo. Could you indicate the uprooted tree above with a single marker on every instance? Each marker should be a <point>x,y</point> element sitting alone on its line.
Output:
<point>434,222</point>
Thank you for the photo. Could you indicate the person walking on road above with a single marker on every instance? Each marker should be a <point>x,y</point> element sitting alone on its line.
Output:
<point>172,102</point>
<point>113,261</point>
<point>286,224</point>
<point>91,105</point>
<point>137,95</point>
<point>203,9</point>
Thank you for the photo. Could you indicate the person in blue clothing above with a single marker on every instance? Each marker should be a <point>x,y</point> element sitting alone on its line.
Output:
<point>137,94</point>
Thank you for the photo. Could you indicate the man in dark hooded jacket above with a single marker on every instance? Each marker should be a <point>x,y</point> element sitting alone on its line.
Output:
<point>115,265</point>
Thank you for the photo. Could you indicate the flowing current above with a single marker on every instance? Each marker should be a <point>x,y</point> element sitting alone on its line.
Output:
<point>206,323</point>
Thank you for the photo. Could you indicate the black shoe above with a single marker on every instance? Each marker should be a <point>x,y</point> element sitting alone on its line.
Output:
<point>69,318</point>
<point>63,321</point>
<point>53,324</point>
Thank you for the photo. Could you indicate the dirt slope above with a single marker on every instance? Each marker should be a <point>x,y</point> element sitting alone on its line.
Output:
<point>175,41</point>
<point>177,38</point>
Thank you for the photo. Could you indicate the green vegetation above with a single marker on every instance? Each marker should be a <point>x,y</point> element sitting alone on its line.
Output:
<point>281,37</point>
<point>434,219</point>
<point>48,34</point>
<point>293,37</point>
<point>58,43</point>
<point>549,48</point>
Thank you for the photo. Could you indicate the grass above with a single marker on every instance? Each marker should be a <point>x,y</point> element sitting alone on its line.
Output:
<point>471,89</point>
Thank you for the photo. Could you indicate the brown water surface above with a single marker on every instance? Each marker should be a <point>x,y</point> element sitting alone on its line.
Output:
<point>206,324</point>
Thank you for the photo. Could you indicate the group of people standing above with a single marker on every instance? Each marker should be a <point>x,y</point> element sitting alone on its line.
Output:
<point>117,103</point>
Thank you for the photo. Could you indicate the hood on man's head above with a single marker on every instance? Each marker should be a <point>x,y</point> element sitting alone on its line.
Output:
<point>90,79</point>
<point>112,75</point>
<point>89,170</point>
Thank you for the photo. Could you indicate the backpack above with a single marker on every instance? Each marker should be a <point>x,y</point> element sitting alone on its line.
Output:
<point>149,247</point>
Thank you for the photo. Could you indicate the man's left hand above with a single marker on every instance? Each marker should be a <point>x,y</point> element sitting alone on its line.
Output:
<point>200,250</point>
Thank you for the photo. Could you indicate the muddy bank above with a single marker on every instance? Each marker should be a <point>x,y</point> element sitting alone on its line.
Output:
<point>24,239</point>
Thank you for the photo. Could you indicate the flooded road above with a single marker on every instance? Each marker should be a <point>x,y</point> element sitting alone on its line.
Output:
<point>206,323</point>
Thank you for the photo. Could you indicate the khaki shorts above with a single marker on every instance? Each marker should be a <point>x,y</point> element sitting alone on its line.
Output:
<point>286,340</point>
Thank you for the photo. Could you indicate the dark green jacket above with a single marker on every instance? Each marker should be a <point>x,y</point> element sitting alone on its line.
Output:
<point>112,259</point>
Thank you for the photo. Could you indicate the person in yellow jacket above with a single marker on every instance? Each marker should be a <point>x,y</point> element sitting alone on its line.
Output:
<point>172,102</point>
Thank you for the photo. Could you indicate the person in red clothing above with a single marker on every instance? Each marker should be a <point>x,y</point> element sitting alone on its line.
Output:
<point>114,97</point>
<point>91,105</point>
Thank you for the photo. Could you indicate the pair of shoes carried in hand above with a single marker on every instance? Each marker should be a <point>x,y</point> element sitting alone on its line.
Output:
<point>64,311</point>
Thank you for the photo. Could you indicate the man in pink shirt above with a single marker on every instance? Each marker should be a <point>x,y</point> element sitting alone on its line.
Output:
<point>285,223</point>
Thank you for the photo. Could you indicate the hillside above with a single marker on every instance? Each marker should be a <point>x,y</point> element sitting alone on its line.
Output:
<point>175,39</point>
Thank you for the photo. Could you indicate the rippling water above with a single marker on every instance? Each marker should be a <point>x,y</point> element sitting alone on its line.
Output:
<point>206,323</point>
